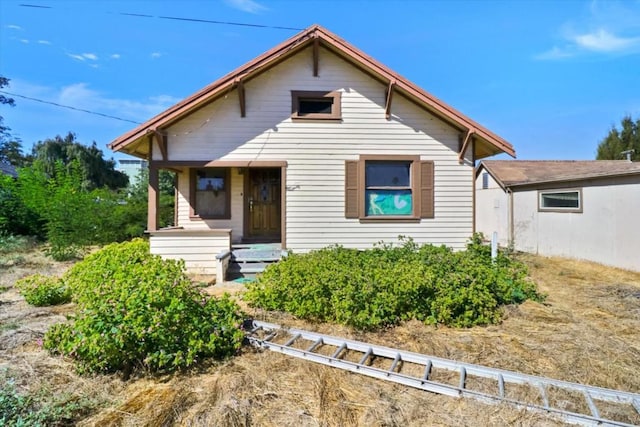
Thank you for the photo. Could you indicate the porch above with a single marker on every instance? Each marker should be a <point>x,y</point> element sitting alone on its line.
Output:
<point>210,254</point>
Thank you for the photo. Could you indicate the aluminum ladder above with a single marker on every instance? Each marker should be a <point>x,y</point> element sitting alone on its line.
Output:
<point>574,403</point>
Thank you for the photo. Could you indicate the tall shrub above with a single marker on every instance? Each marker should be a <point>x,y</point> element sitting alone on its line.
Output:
<point>136,310</point>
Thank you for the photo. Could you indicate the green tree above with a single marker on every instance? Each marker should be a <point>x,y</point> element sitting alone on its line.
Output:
<point>617,141</point>
<point>10,147</point>
<point>4,130</point>
<point>11,152</point>
<point>96,171</point>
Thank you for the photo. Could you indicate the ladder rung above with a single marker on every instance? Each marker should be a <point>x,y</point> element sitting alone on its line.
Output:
<point>427,370</point>
<point>543,393</point>
<point>501,386</point>
<point>592,406</point>
<point>395,363</point>
<point>291,341</point>
<point>463,377</point>
<point>270,336</point>
<point>366,356</point>
<point>315,345</point>
<point>339,350</point>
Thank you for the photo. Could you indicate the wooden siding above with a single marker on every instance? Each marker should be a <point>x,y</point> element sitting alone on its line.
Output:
<point>198,248</point>
<point>316,152</point>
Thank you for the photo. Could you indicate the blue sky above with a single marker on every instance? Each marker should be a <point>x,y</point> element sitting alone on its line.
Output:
<point>551,77</point>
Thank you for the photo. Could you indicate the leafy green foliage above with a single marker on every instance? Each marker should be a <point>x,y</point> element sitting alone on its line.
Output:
<point>42,290</point>
<point>619,140</point>
<point>16,218</point>
<point>387,284</point>
<point>39,409</point>
<point>95,171</point>
<point>138,310</point>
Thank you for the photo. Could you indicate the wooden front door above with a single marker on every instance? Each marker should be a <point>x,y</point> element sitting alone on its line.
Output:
<point>262,204</point>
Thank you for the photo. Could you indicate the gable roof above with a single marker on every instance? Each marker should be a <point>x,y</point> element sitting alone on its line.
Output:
<point>514,173</point>
<point>8,169</point>
<point>487,144</point>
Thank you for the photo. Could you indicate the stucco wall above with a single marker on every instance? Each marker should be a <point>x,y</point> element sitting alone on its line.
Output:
<point>492,210</point>
<point>606,231</point>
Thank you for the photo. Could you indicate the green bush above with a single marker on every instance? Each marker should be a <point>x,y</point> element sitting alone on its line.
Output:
<point>387,284</point>
<point>136,310</point>
<point>42,290</point>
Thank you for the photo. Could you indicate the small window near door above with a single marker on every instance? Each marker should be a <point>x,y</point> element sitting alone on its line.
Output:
<point>211,193</point>
<point>315,105</point>
<point>560,201</point>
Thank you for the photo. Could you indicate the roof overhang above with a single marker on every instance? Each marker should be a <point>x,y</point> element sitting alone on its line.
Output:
<point>137,141</point>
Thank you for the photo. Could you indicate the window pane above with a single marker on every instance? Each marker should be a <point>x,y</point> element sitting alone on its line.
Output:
<point>315,106</point>
<point>388,202</point>
<point>387,174</point>
<point>560,200</point>
<point>211,193</point>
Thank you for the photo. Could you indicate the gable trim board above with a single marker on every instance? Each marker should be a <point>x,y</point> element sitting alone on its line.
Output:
<point>487,143</point>
<point>598,230</point>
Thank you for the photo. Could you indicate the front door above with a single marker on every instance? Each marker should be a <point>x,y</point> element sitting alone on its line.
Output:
<point>262,204</point>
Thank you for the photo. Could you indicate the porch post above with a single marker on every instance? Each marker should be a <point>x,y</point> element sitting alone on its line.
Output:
<point>153,200</point>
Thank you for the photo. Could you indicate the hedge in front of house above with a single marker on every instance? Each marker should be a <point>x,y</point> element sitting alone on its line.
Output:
<point>388,284</point>
<point>136,310</point>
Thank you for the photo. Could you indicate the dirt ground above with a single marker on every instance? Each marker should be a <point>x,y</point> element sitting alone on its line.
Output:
<point>587,331</point>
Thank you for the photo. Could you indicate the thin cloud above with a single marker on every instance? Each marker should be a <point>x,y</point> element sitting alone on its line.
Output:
<point>602,40</point>
<point>83,56</point>
<point>25,41</point>
<point>80,95</point>
<point>14,27</point>
<point>76,57</point>
<point>605,28</point>
<point>249,6</point>
<point>555,53</point>
<point>156,55</point>
<point>47,42</point>
<point>115,56</point>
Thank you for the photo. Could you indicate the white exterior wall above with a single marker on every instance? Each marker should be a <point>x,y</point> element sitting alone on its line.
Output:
<point>316,153</point>
<point>605,232</point>
<point>197,249</point>
<point>492,210</point>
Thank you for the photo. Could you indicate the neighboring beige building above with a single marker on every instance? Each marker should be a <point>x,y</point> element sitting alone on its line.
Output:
<point>578,209</point>
<point>311,144</point>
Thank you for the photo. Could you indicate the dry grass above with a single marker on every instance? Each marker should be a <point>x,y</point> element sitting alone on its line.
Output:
<point>587,331</point>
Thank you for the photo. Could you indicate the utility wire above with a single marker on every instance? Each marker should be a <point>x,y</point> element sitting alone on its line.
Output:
<point>176,18</point>
<point>69,107</point>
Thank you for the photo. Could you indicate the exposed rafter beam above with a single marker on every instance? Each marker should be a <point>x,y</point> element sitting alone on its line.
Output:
<point>316,55</point>
<point>387,107</point>
<point>161,138</point>
<point>241,98</point>
<point>465,144</point>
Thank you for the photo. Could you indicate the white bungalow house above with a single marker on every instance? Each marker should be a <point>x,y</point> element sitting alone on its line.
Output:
<point>577,209</point>
<point>312,143</point>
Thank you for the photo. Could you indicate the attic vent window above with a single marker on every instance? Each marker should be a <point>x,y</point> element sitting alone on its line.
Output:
<point>315,105</point>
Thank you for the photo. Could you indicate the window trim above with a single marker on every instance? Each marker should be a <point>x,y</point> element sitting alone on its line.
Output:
<point>336,110</point>
<point>579,209</point>
<point>192,194</point>
<point>415,188</point>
